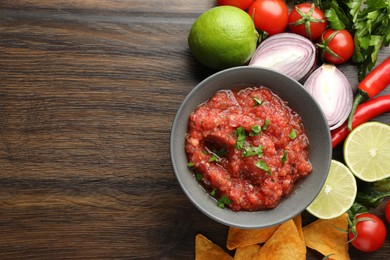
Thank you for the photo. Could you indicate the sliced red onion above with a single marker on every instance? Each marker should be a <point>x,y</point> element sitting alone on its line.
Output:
<point>287,53</point>
<point>331,89</point>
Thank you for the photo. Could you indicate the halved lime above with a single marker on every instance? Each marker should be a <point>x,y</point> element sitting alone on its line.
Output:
<point>367,151</point>
<point>337,195</point>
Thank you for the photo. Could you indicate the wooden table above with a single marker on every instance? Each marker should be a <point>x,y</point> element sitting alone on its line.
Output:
<point>88,92</point>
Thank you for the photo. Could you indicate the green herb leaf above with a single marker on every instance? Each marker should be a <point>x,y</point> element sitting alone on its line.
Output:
<point>293,134</point>
<point>340,14</point>
<point>198,176</point>
<point>371,194</point>
<point>371,199</point>
<point>266,124</point>
<point>368,21</point>
<point>355,209</point>
<point>357,55</point>
<point>256,129</point>
<point>240,134</point>
<point>318,3</point>
<point>376,4</point>
<point>263,166</point>
<point>382,185</point>
<point>284,157</point>
<point>224,201</point>
<point>334,21</point>
<point>375,41</point>
<point>214,158</point>
<point>354,6</point>
<point>252,151</point>
<point>214,192</point>
<point>258,102</point>
<point>372,30</point>
<point>190,164</point>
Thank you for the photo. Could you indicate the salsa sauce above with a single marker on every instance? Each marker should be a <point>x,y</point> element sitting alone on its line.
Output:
<point>247,147</point>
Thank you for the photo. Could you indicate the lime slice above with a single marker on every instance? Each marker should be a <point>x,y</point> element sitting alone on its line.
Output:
<point>367,151</point>
<point>337,195</point>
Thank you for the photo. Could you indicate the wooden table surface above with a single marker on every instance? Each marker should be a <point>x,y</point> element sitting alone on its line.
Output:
<point>88,92</point>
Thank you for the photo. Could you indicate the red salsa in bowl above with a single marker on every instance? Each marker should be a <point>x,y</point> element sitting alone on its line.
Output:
<point>239,133</point>
<point>247,148</point>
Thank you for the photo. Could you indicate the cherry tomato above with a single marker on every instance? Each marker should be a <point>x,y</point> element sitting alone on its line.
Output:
<point>338,46</point>
<point>242,4</point>
<point>370,233</point>
<point>387,212</point>
<point>307,20</point>
<point>270,16</point>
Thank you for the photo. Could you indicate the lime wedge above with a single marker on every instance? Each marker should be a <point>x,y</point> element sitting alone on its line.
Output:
<point>337,195</point>
<point>367,151</point>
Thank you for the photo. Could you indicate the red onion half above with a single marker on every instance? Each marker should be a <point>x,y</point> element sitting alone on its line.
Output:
<point>288,53</point>
<point>331,89</point>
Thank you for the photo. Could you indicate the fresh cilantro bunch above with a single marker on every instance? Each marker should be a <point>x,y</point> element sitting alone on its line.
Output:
<point>367,20</point>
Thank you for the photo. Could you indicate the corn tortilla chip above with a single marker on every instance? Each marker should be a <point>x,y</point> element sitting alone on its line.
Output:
<point>247,252</point>
<point>298,223</point>
<point>284,244</point>
<point>207,250</point>
<point>246,237</point>
<point>327,237</point>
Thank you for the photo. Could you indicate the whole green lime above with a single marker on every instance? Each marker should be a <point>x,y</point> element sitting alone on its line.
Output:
<point>223,37</point>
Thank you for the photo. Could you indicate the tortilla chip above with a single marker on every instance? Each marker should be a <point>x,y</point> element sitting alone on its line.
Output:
<point>207,250</point>
<point>246,237</point>
<point>247,252</point>
<point>298,223</point>
<point>285,243</point>
<point>326,236</point>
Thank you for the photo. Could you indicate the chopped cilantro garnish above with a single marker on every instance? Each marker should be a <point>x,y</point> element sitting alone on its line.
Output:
<point>214,158</point>
<point>258,102</point>
<point>263,166</point>
<point>198,176</point>
<point>240,133</point>
<point>252,151</point>
<point>266,124</point>
<point>255,130</point>
<point>214,192</point>
<point>293,134</point>
<point>224,201</point>
<point>190,164</point>
<point>284,157</point>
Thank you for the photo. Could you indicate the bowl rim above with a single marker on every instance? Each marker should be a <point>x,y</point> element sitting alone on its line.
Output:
<point>246,219</point>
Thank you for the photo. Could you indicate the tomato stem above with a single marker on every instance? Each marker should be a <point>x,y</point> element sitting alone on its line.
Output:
<point>306,19</point>
<point>325,48</point>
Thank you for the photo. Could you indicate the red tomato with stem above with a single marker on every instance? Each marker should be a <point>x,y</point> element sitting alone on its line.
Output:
<point>270,16</point>
<point>387,211</point>
<point>368,233</point>
<point>242,4</point>
<point>337,46</point>
<point>307,20</point>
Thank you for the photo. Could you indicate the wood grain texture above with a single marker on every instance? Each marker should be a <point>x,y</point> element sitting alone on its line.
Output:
<point>88,92</point>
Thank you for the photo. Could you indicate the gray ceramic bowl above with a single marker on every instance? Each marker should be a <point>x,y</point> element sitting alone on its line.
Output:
<point>320,150</point>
